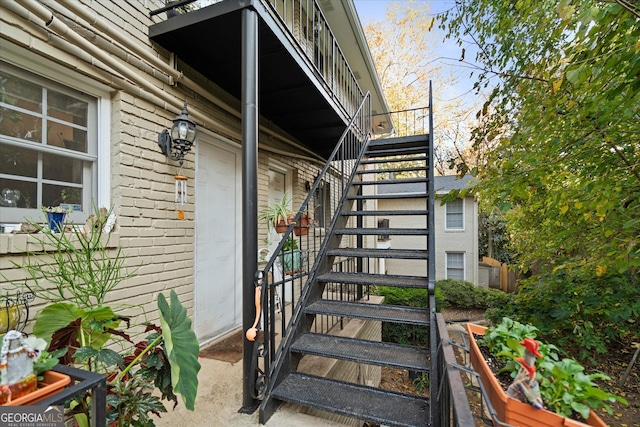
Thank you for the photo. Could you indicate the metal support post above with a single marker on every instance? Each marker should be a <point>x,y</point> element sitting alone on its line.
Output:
<point>249,193</point>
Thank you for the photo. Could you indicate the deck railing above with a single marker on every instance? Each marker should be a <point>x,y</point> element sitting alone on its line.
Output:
<point>308,26</point>
<point>414,121</point>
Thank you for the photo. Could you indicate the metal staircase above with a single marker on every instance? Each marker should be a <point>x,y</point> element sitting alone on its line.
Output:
<point>346,241</point>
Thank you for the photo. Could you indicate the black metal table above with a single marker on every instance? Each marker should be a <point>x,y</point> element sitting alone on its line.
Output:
<point>82,381</point>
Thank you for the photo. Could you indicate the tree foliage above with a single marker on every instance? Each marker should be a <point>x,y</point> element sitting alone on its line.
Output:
<point>402,47</point>
<point>493,240</point>
<point>562,124</point>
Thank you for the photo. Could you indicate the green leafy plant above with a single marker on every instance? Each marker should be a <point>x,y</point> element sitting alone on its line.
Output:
<point>463,294</point>
<point>406,334</point>
<point>280,211</point>
<point>421,382</point>
<point>77,322</point>
<point>57,209</point>
<point>580,310</point>
<point>290,244</point>
<point>564,387</point>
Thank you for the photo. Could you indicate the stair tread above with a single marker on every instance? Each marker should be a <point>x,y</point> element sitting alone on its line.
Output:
<point>394,151</point>
<point>380,253</point>
<point>388,196</point>
<point>420,212</point>
<point>400,140</point>
<point>375,279</point>
<point>415,179</point>
<point>383,170</point>
<point>359,401</point>
<point>386,231</point>
<point>367,311</point>
<point>372,161</point>
<point>363,351</point>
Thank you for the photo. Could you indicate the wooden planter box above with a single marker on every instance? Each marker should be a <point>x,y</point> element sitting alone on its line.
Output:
<point>51,384</point>
<point>512,411</point>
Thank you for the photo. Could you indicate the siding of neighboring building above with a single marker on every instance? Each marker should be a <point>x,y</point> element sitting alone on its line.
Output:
<point>459,241</point>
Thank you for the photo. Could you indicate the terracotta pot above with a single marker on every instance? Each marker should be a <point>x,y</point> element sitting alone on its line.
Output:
<point>282,226</point>
<point>50,384</point>
<point>302,229</point>
<point>512,411</point>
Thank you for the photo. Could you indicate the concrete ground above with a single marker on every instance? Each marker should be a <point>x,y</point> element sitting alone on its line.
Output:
<point>219,399</point>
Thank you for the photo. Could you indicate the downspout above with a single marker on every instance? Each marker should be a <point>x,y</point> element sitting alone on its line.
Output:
<point>250,117</point>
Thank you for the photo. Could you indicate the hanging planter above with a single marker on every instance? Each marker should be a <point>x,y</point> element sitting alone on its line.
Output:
<point>510,410</point>
<point>302,226</point>
<point>283,224</point>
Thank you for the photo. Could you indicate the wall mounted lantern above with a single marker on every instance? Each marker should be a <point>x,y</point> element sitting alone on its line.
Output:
<point>179,142</point>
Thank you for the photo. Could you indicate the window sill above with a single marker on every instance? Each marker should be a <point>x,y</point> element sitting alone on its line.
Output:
<point>22,243</point>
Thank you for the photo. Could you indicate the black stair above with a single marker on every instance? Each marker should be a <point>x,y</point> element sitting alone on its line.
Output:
<point>379,253</point>
<point>374,279</point>
<point>406,157</point>
<point>356,310</point>
<point>420,212</point>
<point>369,352</point>
<point>376,231</point>
<point>353,400</point>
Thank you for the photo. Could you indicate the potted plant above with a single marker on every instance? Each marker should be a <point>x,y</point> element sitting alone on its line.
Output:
<point>302,226</point>
<point>290,256</point>
<point>278,215</point>
<point>75,280</point>
<point>564,388</point>
<point>55,217</point>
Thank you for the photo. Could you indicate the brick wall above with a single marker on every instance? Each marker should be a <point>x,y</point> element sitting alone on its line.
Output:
<point>140,178</point>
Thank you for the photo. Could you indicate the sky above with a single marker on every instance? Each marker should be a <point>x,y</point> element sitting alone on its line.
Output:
<point>375,10</point>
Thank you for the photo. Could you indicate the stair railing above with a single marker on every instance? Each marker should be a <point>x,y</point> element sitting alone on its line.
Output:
<point>281,283</point>
<point>413,121</point>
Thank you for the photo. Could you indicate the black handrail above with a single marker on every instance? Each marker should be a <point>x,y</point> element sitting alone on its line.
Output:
<point>338,173</point>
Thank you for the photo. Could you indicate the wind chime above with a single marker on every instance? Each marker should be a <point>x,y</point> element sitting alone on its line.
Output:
<point>175,145</point>
<point>180,192</point>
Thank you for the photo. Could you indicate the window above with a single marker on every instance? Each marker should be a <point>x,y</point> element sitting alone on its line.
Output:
<point>322,205</point>
<point>48,146</point>
<point>455,265</point>
<point>455,215</point>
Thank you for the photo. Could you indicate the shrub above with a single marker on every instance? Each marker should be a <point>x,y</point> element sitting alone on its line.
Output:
<point>578,310</point>
<point>410,297</point>
<point>459,293</point>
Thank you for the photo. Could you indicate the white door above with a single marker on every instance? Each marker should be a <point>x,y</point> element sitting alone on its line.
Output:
<point>218,289</point>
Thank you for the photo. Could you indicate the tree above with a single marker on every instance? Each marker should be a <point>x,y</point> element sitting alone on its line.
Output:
<point>563,125</point>
<point>402,47</point>
<point>493,240</point>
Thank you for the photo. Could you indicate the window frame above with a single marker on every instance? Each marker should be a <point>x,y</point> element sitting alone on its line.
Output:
<point>447,215</point>
<point>96,176</point>
<point>463,268</point>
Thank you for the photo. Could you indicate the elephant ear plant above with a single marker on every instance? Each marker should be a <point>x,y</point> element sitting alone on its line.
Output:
<point>74,272</point>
